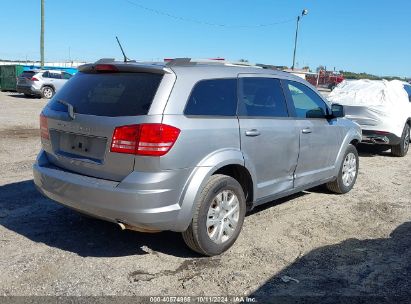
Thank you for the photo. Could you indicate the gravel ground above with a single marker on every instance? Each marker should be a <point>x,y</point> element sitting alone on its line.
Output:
<point>313,243</point>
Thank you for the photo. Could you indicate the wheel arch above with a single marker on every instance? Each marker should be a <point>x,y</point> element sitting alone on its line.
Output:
<point>231,163</point>
<point>48,85</point>
<point>352,137</point>
<point>242,176</point>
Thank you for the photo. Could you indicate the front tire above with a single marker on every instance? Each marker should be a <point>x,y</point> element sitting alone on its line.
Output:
<point>401,149</point>
<point>347,174</point>
<point>47,92</point>
<point>218,218</point>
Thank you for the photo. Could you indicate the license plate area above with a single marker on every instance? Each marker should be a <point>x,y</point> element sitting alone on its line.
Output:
<point>78,146</point>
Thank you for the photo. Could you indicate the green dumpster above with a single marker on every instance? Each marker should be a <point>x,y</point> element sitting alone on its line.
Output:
<point>8,76</point>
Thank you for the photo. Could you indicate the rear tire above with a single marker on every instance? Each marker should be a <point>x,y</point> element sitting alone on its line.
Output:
<point>47,92</point>
<point>218,217</point>
<point>347,174</point>
<point>401,149</point>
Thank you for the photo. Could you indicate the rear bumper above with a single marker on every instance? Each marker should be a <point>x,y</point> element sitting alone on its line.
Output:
<point>375,137</point>
<point>28,90</point>
<point>149,201</point>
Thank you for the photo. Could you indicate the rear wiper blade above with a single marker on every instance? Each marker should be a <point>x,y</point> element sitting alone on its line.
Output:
<point>69,106</point>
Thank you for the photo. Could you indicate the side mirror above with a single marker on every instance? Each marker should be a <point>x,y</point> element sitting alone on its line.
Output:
<point>315,113</point>
<point>337,110</point>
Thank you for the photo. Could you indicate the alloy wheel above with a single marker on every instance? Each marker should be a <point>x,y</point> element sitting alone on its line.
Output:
<point>349,169</point>
<point>223,216</point>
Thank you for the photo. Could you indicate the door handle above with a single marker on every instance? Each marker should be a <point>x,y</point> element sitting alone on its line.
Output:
<point>306,131</point>
<point>252,132</point>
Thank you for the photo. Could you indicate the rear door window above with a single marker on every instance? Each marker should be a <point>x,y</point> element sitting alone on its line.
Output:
<point>262,97</point>
<point>54,75</point>
<point>108,94</point>
<point>66,75</point>
<point>214,97</point>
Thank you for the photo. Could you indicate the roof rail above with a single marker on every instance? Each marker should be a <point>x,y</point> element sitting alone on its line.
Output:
<point>217,61</point>
<point>241,63</point>
<point>268,66</point>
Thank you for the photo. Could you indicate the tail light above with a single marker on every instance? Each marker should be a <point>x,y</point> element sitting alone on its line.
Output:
<point>34,79</point>
<point>151,139</point>
<point>44,130</point>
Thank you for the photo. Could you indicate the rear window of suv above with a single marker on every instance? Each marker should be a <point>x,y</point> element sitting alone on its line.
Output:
<point>27,74</point>
<point>108,94</point>
<point>214,97</point>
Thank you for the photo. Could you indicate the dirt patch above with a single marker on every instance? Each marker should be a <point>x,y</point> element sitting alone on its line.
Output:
<point>186,271</point>
<point>19,132</point>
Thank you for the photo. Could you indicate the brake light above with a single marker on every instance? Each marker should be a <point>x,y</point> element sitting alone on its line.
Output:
<point>34,79</point>
<point>151,139</point>
<point>382,132</point>
<point>105,68</point>
<point>44,130</point>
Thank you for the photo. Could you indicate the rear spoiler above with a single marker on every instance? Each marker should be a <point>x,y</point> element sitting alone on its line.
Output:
<point>118,66</point>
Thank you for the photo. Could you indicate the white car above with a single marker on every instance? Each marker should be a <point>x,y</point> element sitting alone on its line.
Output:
<point>382,109</point>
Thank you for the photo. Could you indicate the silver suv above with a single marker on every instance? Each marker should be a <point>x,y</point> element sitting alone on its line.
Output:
<point>189,147</point>
<point>44,83</point>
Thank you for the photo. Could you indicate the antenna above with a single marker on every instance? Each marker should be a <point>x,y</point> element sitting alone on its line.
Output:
<point>121,48</point>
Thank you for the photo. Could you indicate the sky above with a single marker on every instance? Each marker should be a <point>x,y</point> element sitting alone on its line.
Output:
<point>371,36</point>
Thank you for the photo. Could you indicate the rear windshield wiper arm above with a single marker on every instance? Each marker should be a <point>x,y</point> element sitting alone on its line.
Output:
<point>69,106</point>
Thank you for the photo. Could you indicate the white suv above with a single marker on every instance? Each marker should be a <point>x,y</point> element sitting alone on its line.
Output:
<point>44,83</point>
<point>381,108</point>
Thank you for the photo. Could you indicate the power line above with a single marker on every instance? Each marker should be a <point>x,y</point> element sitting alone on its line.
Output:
<point>185,19</point>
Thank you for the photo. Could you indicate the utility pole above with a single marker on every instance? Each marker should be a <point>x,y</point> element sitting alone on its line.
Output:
<point>304,12</point>
<point>42,36</point>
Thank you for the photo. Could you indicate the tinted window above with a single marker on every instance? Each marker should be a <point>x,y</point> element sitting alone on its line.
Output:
<point>262,97</point>
<point>46,75</point>
<point>54,75</point>
<point>66,75</point>
<point>108,94</point>
<point>213,97</point>
<point>307,103</point>
<point>27,74</point>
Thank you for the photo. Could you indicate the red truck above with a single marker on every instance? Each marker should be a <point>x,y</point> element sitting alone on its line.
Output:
<point>327,79</point>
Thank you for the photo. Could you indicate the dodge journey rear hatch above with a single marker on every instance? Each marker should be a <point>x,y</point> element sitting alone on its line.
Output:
<point>87,126</point>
